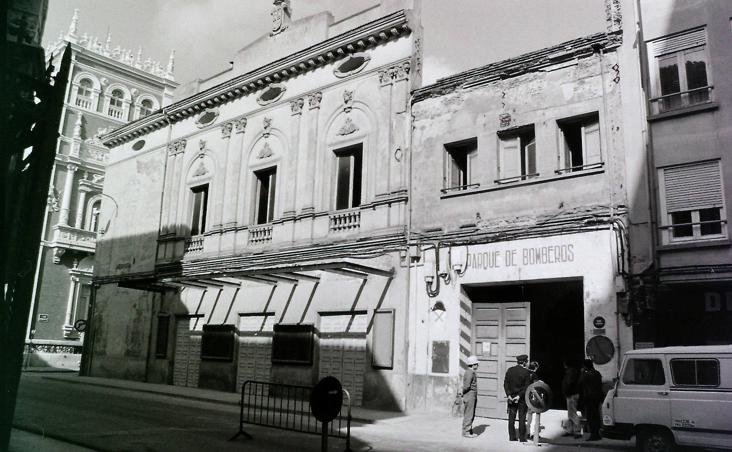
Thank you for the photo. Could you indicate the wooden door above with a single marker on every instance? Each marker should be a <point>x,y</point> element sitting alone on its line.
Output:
<point>187,357</point>
<point>500,332</point>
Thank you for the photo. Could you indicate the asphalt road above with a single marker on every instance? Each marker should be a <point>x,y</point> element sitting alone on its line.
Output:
<point>110,419</point>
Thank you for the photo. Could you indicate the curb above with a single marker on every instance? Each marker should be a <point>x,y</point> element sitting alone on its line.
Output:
<point>59,438</point>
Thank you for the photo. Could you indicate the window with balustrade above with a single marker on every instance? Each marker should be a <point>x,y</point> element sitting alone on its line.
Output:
<point>266,180</point>
<point>116,104</point>
<point>348,176</point>
<point>84,94</point>
<point>680,75</point>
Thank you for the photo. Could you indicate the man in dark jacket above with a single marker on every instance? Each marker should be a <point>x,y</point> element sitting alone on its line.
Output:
<point>590,383</point>
<point>470,396</point>
<point>570,389</point>
<point>518,378</point>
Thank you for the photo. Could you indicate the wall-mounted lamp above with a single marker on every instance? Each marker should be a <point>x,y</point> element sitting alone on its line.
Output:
<point>445,276</point>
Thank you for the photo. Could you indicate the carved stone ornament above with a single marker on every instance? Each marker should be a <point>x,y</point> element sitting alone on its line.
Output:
<point>296,106</point>
<point>177,147</point>
<point>347,100</point>
<point>57,253</point>
<point>504,119</point>
<point>240,125</point>
<point>52,199</point>
<point>267,127</point>
<point>314,100</point>
<point>201,170</point>
<point>348,127</point>
<point>265,152</point>
<point>226,130</point>
<point>281,14</point>
<point>202,145</point>
<point>395,73</point>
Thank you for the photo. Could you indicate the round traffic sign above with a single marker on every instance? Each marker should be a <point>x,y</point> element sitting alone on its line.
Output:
<point>599,322</point>
<point>600,349</point>
<point>538,397</point>
<point>80,325</point>
<point>326,399</point>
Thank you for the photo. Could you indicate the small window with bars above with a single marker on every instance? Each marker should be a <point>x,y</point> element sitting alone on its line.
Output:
<point>692,203</point>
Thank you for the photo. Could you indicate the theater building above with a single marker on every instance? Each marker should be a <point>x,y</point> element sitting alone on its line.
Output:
<point>519,234</point>
<point>258,224</point>
<point>107,87</point>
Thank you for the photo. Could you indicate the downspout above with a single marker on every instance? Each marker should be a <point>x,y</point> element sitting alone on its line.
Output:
<point>408,252</point>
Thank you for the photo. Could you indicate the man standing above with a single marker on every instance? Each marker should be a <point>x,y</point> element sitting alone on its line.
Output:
<point>590,383</point>
<point>470,396</point>
<point>570,389</point>
<point>518,378</point>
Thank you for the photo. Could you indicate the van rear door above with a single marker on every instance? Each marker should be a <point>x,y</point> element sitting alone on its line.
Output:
<point>643,392</point>
<point>701,405</point>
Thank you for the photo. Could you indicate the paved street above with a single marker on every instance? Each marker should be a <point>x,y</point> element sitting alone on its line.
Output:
<point>132,417</point>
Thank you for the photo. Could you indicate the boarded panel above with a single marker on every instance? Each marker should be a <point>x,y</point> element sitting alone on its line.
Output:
<point>255,348</point>
<point>187,358</point>
<point>343,351</point>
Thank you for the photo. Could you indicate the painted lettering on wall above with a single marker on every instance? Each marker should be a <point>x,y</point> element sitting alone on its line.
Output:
<point>537,255</point>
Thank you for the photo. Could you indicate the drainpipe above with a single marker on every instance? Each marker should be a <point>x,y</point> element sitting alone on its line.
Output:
<point>408,253</point>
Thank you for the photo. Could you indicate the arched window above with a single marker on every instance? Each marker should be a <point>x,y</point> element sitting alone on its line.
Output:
<point>93,224</point>
<point>146,107</point>
<point>84,94</point>
<point>116,104</point>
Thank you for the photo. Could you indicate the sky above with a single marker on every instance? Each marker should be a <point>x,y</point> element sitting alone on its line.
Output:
<point>458,34</point>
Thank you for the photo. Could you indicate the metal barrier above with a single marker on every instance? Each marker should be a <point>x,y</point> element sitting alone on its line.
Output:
<point>287,407</point>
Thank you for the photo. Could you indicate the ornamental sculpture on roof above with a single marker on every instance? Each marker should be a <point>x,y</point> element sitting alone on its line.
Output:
<point>281,15</point>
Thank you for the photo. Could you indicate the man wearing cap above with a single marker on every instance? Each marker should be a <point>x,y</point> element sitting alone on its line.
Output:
<point>518,378</point>
<point>470,396</point>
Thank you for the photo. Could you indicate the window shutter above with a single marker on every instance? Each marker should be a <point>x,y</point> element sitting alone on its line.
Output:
<point>510,157</point>
<point>531,157</point>
<point>675,43</point>
<point>692,187</point>
<point>592,143</point>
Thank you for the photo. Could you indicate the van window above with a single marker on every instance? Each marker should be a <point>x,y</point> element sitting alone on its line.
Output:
<point>695,372</point>
<point>644,372</point>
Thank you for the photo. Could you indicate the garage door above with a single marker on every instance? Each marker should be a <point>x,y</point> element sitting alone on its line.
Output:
<point>187,357</point>
<point>255,348</point>
<point>343,351</point>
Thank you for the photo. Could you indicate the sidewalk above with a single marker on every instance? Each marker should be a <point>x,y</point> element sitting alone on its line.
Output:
<point>391,431</point>
<point>23,441</point>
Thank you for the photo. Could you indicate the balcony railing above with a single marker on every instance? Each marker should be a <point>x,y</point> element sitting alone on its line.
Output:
<point>73,238</point>
<point>83,102</point>
<point>345,221</point>
<point>681,100</point>
<point>260,234</point>
<point>194,244</point>
<point>115,112</point>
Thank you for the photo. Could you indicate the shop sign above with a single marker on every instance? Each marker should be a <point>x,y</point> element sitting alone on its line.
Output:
<point>524,256</point>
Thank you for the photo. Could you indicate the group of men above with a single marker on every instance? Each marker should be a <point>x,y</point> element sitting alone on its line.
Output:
<point>578,386</point>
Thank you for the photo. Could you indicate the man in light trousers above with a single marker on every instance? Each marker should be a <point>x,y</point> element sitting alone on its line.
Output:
<point>470,396</point>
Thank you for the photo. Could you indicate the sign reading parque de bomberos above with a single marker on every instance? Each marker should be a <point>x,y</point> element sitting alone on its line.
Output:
<point>521,256</point>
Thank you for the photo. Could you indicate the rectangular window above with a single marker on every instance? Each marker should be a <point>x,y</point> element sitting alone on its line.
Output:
<point>458,165</point>
<point>293,344</point>
<point>161,340</point>
<point>348,177</point>
<point>217,343</point>
<point>695,372</point>
<point>581,145</point>
<point>265,195</point>
<point>382,340</point>
<point>517,159</point>
<point>644,372</point>
<point>681,71</point>
<point>199,209</point>
<point>692,202</point>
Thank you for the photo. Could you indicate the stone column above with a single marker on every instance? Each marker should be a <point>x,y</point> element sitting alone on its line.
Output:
<point>66,198</point>
<point>80,207</point>
<point>385,138</point>
<point>70,302</point>
<point>311,153</point>
<point>231,203</point>
<point>292,171</point>
<point>222,176</point>
<point>399,121</point>
<point>175,188</point>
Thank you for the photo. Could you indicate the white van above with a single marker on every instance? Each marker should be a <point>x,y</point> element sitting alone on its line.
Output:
<point>672,395</point>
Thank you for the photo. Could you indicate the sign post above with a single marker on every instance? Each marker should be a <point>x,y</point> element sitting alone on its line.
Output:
<point>538,399</point>
<point>326,400</point>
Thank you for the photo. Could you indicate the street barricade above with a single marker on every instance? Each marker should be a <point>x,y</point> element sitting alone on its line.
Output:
<point>287,407</point>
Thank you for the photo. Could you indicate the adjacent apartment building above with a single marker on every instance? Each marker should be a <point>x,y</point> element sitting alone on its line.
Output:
<point>107,87</point>
<point>258,224</point>
<point>685,294</point>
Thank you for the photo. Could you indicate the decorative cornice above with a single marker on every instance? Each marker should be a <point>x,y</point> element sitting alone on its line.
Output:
<point>367,36</point>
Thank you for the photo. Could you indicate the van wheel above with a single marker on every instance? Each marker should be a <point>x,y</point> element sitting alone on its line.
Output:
<point>655,440</point>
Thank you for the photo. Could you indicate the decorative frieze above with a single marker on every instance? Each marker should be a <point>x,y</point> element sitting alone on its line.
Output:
<point>394,73</point>
<point>314,100</point>
<point>177,147</point>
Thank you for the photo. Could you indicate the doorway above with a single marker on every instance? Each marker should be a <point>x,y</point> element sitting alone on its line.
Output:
<point>554,318</point>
